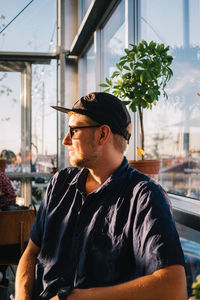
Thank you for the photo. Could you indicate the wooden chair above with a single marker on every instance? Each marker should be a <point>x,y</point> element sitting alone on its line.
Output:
<point>15,227</point>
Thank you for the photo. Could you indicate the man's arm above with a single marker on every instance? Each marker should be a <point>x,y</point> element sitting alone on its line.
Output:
<point>26,272</point>
<point>167,284</point>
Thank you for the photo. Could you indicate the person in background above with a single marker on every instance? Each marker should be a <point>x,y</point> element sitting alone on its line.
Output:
<point>7,193</point>
<point>104,230</point>
<point>7,198</point>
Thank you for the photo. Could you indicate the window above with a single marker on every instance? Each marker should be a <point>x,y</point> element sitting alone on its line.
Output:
<point>173,126</point>
<point>83,6</point>
<point>44,131</point>
<point>90,70</point>
<point>10,113</point>
<point>113,40</point>
<point>44,118</point>
<point>10,124</point>
<point>87,83</point>
<point>28,124</point>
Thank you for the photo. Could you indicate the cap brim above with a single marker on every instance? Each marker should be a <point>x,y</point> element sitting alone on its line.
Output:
<point>62,109</point>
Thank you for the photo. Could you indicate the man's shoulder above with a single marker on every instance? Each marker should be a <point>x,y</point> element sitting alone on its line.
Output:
<point>144,183</point>
<point>60,180</point>
<point>66,173</point>
<point>69,170</point>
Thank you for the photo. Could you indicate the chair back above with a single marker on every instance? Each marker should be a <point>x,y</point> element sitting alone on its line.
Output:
<point>15,226</point>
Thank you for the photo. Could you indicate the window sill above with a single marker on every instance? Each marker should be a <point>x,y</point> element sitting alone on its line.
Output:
<point>186,211</point>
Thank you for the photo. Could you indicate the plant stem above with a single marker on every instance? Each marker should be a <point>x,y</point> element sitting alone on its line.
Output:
<point>141,127</point>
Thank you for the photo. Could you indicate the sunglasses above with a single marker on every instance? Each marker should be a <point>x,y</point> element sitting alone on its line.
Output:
<point>72,129</point>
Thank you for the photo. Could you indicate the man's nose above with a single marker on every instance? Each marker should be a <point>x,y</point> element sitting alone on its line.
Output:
<point>67,140</point>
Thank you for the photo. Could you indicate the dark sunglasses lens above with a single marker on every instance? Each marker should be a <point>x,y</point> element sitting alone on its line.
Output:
<point>71,133</point>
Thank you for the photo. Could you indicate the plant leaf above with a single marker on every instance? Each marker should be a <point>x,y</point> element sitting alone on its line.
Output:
<point>140,152</point>
<point>109,81</point>
<point>127,68</point>
<point>103,85</point>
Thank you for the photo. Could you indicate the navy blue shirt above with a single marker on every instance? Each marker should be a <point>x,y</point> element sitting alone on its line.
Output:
<point>121,231</point>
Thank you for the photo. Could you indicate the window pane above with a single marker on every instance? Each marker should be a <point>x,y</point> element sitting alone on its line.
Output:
<point>83,6</point>
<point>90,70</point>
<point>86,72</point>
<point>10,112</point>
<point>44,132</point>
<point>113,40</point>
<point>10,124</point>
<point>190,244</point>
<point>43,116</point>
<point>37,24</point>
<point>172,128</point>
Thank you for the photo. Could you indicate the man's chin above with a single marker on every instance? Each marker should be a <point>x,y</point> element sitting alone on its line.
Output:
<point>81,163</point>
<point>76,163</point>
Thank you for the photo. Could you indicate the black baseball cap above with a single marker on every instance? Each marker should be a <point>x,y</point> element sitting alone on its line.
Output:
<point>103,108</point>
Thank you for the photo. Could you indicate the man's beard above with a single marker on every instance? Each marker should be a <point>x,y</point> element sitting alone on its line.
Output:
<point>88,161</point>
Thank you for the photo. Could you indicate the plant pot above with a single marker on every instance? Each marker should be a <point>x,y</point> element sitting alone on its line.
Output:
<point>148,167</point>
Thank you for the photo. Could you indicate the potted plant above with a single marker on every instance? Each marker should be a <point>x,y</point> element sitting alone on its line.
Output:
<point>196,289</point>
<point>140,77</point>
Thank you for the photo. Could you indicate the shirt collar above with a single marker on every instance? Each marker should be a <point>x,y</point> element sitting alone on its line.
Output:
<point>113,183</point>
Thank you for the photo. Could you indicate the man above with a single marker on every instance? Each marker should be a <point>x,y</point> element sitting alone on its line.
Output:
<point>104,230</point>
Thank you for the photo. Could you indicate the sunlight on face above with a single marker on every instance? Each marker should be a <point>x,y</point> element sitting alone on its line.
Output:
<point>83,150</point>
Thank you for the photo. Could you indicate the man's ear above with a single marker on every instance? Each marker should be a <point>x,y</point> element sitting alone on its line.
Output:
<point>104,134</point>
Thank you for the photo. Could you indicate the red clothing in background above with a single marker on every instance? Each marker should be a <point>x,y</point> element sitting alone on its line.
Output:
<point>7,194</point>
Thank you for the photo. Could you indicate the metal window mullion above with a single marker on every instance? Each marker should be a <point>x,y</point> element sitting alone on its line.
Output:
<point>61,79</point>
<point>26,80</point>
<point>98,58</point>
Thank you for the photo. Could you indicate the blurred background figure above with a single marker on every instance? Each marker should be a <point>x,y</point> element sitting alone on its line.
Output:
<point>7,193</point>
<point>7,199</point>
<point>13,165</point>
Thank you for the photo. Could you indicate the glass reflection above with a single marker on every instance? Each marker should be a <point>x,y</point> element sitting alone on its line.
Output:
<point>113,40</point>
<point>83,6</point>
<point>44,132</point>
<point>90,70</point>
<point>10,124</point>
<point>173,126</point>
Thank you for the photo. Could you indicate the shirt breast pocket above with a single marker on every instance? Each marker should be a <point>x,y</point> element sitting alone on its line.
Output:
<point>106,258</point>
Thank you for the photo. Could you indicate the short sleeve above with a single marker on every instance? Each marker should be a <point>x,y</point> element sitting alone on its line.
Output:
<point>37,230</point>
<point>155,239</point>
<point>56,186</point>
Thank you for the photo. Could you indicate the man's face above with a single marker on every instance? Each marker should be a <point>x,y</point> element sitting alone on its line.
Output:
<point>83,149</point>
